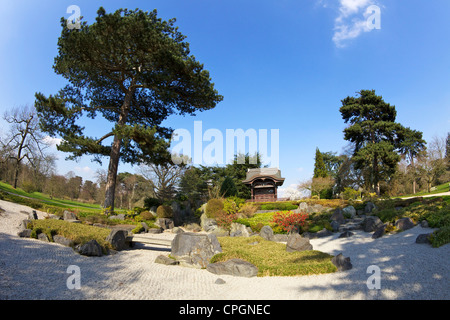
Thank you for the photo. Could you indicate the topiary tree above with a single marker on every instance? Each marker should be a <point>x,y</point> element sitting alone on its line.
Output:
<point>164,211</point>
<point>213,207</point>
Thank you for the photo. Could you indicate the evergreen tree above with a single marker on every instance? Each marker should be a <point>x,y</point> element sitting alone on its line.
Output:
<point>375,136</point>
<point>228,188</point>
<point>134,70</point>
<point>320,170</point>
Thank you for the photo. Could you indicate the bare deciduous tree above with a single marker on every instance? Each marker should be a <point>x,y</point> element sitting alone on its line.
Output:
<point>25,142</point>
<point>164,177</point>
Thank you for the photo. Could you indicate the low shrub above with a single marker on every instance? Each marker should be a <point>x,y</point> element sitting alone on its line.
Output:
<point>440,237</point>
<point>139,228</point>
<point>96,218</point>
<point>350,194</point>
<point>28,187</point>
<point>164,211</point>
<point>389,215</point>
<point>279,206</point>
<point>230,206</point>
<point>318,226</point>
<point>248,210</point>
<point>146,215</point>
<point>213,207</point>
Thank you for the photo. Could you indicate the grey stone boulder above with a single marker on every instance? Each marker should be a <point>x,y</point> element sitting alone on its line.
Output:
<point>302,207</point>
<point>68,215</point>
<point>25,233</point>
<point>177,230</point>
<point>315,208</point>
<point>62,240</point>
<point>423,238</point>
<point>320,234</point>
<point>33,215</point>
<point>207,224</point>
<point>192,227</point>
<point>239,230</point>
<point>335,225</point>
<point>346,234</point>
<point>195,249</point>
<point>165,223</point>
<point>43,237</point>
<point>379,232</point>
<point>342,263</point>
<point>338,216</point>
<point>24,224</point>
<point>371,223</point>
<point>161,259</point>
<point>266,233</point>
<point>117,217</point>
<point>145,226</point>
<point>370,206</point>
<point>296,242</point>
<point>349,211</point>
<point>233,267</point>
<point>219,281</point>
<point>424,224</point>
<point>220,232</point>
<point>404,224</point>
<point>155,230</point>
<point>91,249</point>
<point>117,239</point>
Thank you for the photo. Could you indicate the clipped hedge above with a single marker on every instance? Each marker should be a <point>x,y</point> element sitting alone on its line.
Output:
<point>213,207</point>
<point>164,211</point>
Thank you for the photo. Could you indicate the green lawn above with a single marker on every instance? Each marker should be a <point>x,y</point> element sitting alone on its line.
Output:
<point>46,198</point>
<point>43,202</point>
<point>439,189</point>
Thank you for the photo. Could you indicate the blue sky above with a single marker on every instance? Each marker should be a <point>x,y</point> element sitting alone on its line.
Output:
<point>280,64</point>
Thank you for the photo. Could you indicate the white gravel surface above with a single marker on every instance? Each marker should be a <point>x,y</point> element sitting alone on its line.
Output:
<point>32,269</point>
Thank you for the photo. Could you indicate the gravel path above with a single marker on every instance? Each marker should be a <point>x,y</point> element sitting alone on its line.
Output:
<point>31,269</point>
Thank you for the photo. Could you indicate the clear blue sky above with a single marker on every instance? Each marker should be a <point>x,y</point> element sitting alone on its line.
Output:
<point>280,64</point>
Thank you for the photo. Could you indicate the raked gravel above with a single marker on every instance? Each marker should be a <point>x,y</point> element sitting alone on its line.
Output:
<point>32,269</point>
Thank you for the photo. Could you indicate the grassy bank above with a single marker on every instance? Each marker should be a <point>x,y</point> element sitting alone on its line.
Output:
<point>77,232</point>
<point>44,202</point>
<point>279,262</point>
<point>439,189</point>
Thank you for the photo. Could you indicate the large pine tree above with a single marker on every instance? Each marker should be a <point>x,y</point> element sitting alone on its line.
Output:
<point>376,138</point>
<point>132,69</point>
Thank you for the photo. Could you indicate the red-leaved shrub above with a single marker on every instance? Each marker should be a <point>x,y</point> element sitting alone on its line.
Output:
<point>224,219</point>
<point>288,220</point>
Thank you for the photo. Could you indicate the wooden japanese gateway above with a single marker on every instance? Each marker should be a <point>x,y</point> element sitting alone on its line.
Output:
<point>263,183</point>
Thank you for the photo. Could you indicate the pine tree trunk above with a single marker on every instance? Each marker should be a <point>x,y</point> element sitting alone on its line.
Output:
<point>112,175</point>
<point>115,154</point>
